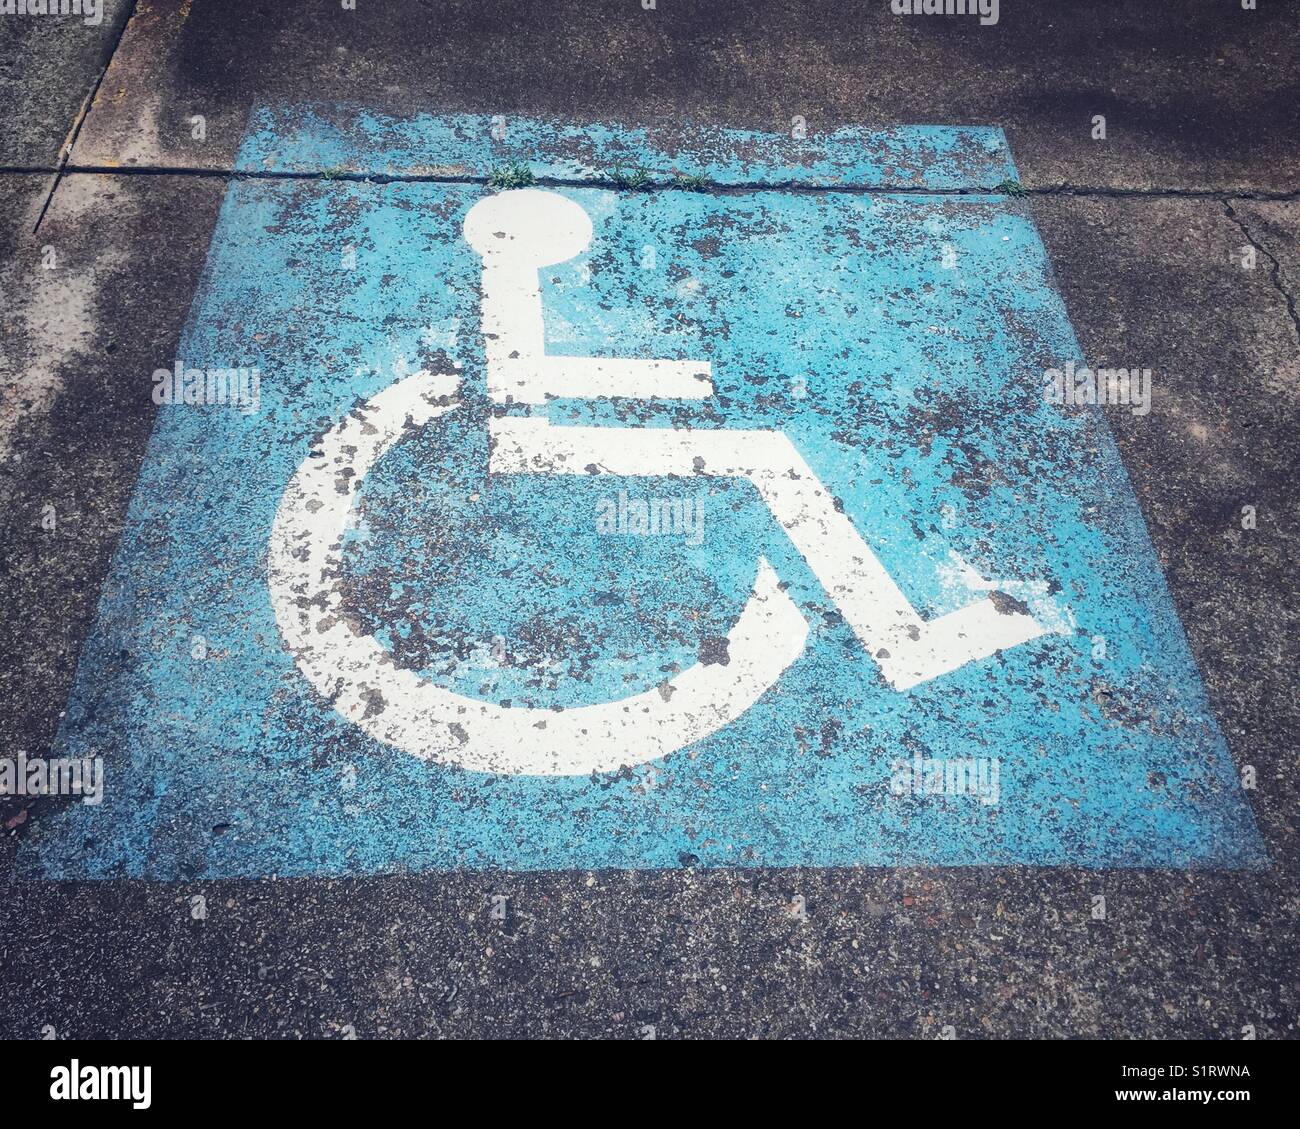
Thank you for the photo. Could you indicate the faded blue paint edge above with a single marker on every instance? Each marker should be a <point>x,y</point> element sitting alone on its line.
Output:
<point>1128,526</point>
<point>352,140</point>
<point>1125,524</point>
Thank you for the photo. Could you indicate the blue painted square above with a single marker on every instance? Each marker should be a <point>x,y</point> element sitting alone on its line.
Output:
<point>897,338</point>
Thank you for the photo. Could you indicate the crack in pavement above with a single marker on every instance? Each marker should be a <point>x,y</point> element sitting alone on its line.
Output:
<point>1275,274</point>
<point>65,153</point>
<point>614,183</point>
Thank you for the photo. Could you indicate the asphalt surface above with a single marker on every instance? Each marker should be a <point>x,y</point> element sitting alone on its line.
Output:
<point>1200,161</point>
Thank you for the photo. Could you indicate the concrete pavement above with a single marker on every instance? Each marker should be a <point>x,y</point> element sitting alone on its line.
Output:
<point>986,951</point>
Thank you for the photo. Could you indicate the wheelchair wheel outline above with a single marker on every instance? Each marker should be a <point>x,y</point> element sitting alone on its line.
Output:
<point>408,711</point>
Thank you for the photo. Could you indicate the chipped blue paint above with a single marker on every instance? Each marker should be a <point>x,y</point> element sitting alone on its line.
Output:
<point>355,141</point>
<point>911,386</point>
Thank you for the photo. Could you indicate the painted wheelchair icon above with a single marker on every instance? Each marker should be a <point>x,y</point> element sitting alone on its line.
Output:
<point>516,233</point>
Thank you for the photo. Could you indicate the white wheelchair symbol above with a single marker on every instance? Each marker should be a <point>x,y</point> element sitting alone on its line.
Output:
<point>515,233</point>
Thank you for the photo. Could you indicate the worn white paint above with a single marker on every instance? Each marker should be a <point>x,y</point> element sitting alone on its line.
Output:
<point>516,232</point>
<point>908,649</point>
<point>354,672</point>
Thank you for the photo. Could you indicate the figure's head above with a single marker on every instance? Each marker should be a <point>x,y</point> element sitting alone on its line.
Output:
<point>528,226</point>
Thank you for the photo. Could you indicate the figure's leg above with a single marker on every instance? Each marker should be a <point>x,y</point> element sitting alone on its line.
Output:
<point>908,649</point>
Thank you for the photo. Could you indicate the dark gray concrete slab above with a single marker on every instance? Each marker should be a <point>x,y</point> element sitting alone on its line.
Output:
<point>987,952</point>
<point>1196,95</point>
<point>48,67</point>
